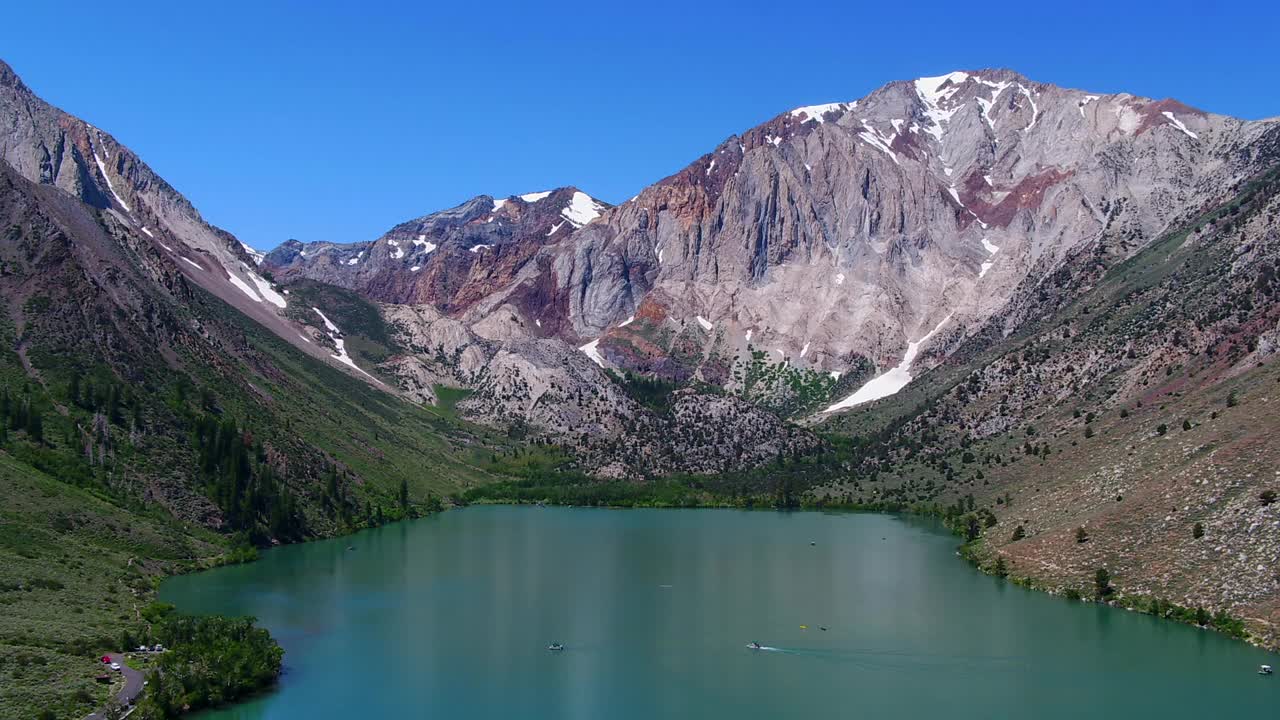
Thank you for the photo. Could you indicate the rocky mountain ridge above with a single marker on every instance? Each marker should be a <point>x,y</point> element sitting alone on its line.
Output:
<point>823,244</point>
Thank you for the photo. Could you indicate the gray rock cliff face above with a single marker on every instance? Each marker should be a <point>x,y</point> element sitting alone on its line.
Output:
<point>854,228</point>
<point>830,235</point>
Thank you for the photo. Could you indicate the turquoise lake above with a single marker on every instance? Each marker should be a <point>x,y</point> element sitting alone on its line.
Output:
<point>450,617</point>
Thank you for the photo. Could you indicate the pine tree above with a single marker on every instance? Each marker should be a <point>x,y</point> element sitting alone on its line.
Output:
<point>1102,581</point>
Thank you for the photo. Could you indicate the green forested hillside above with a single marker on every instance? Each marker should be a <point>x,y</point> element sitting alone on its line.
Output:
<point>149,428</point>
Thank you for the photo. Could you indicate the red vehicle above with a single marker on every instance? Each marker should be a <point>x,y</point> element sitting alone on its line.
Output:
<point>106,659</point>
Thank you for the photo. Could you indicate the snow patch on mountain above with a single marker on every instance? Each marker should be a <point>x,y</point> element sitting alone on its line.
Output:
<point>1178,124</point>
<point>581,210</point>
<point>890,382</point>
<point>268,293</point>
<point>255,254</point>
<point>819,112</point>
<point>933,91</point>
<point>534,196</point>
<point>990,262</point>
<point>876,139</point>
<point>242,286</point>
<point>1035,110</point>
<point>592,352</point>
<point>340,345</point>
<point>103,169</point>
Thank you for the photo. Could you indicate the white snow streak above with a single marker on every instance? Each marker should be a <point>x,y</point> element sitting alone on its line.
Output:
<point>148,232</point>
<point>193,264</point>
<point>1035,111</point>
<point>705,323</point>
<point>627,322</point>
<point>255,254</point>
<point>991,250</point>
<point>265,289</point>
<point>932,94</point>
<point>1085,101</point>
<point>244,287</point>
<point>340,345</point>
<point>478,248</point>
<point>535,197</point>
<point>592,352</point>
<point>839,278</point>
<point>112,188</point>
<point>890,382</point>
<point>804,350</point>
<point>876,139</point>
<point>1178,124</point>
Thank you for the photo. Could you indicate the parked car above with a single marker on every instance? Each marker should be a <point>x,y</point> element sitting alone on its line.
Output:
<point>115,666</point>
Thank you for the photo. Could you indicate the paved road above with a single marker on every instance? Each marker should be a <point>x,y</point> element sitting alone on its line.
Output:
<point>132,684</point>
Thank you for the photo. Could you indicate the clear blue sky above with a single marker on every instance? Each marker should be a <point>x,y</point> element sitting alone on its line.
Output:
<point>334,121</point>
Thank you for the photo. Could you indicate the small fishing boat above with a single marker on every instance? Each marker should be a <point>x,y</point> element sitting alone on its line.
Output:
<point>1265,670</point>
<point>555,647</point>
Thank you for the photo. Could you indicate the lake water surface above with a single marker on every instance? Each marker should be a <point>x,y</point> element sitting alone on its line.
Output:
<point>450,616</point>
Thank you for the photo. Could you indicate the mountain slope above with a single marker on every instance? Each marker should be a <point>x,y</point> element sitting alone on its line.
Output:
<point>50,147</point>
<point>800,259</point>
<point>1137,410</point>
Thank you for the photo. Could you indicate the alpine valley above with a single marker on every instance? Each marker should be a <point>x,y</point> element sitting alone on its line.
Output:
<point>1049,317</point>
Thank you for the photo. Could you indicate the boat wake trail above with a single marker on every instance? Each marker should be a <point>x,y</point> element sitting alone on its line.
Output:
<point>875,658</point>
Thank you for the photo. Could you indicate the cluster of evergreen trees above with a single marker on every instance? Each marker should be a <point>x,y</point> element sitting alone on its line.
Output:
<point>239,480</point>
<point>21,413</point>
<point>112,399</point>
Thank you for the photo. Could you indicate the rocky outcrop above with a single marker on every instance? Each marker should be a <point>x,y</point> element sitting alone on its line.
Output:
<point>545,388</point>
